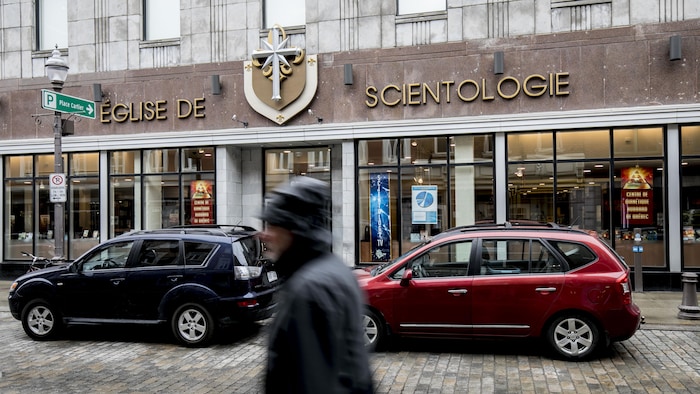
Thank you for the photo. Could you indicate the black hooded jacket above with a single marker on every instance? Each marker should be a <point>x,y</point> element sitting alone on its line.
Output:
<point>315,339</point>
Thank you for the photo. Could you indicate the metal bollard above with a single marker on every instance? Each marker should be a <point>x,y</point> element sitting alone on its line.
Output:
<point>689,306</point>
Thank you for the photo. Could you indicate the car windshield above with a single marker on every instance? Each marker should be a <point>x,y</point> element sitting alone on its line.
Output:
<point>383,267</point>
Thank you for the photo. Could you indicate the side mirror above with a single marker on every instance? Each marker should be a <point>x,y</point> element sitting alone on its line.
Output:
<point>407,277</point>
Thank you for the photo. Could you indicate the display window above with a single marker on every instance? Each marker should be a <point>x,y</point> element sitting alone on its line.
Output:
<point>609,182</point>
<point>413,188</point>
<point>159,188</point>
<point>29,212</point>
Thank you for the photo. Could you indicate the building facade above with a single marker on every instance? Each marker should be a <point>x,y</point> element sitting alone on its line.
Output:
<point>421,116</point>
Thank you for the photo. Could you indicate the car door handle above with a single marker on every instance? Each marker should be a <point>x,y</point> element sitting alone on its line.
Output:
<point>546,289</point>
<point>457,291</point>
<point>174,278</point>
<point>116,281</point>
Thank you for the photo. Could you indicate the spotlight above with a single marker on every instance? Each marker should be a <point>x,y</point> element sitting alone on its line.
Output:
<point>318,118</point>
<point>243,122</point>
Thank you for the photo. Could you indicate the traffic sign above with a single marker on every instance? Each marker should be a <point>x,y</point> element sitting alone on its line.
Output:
<point>57,188</point>
<point>67,104</point>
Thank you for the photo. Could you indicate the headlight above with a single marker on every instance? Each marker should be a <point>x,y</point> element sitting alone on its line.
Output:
<point>13,286</point>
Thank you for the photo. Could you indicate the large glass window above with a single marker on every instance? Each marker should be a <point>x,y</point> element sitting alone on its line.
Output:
<point>29,214</point>
<point>690,195</point>
<point>162,19</point>
<point>285,13</point>
<point>281,165</point>
<point>607,181</point>
<point>160,188</point>
<point>411,189</point>
<point>51,24</point>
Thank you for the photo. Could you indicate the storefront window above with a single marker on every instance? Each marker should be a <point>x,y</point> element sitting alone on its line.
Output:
<point>85,215</point>
<point>690,195</point>
<point>160,160</point>
<point>583,195</point>
<point>30,212</point>
<point>411,189</point>
<point>471,148</point>
<point>19,225</point>
<point>472,193</point>
<point>124,191</point>
<point>531,191</point>
<point>176,187</point>
<point>530,146</point>
<point>281,165</point>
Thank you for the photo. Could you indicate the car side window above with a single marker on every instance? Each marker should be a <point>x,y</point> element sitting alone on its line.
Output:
<point>576,255</point>
<point>159,253</point>
<point>196,253</point>
<point>517,256</point>
<point>443,261</point>
<point>109,257</point>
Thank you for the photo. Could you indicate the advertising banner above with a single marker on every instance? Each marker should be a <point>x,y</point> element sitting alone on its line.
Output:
<point>202,208</point>
<point>637,197</point>
<point>380,217</point>
<point>424,204</point>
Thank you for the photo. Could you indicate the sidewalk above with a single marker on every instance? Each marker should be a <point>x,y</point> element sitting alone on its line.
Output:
<point>659,308</point>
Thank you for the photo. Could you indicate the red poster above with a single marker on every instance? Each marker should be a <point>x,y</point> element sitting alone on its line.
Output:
<point>202,210</point>
<point>637,197</point>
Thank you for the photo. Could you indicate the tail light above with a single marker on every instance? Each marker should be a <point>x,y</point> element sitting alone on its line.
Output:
<point>624,283</point>
<point>243,272</point>
<point>251,303</point>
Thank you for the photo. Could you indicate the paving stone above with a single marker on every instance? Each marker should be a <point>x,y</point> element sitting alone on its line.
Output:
<point>122,361</point>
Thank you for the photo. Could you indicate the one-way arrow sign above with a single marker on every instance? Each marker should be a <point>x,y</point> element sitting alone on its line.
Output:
<point>67,104</point>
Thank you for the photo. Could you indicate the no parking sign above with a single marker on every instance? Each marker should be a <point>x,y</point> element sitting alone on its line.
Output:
<point>57,187</point>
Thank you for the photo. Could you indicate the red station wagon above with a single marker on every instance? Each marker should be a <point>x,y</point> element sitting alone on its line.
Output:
<point>498,281</point>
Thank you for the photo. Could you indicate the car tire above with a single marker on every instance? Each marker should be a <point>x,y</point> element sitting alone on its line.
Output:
<point>40,320</point>
<point>375,333</point>
<point>573,337</point>
<point>193,325</point>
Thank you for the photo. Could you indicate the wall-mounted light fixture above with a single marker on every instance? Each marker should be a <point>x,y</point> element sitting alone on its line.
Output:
<point>215,85</point>
<point>318,118</point>
<point>674,52</point>
<point>97,92</point>
<point>498,63</point>
<point>347,74</point>
<point>243,122</point>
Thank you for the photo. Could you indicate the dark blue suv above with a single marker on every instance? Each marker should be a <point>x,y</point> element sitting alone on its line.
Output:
<point>192,278</point>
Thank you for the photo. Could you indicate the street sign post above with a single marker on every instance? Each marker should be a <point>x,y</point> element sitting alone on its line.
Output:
<point>67,104</point>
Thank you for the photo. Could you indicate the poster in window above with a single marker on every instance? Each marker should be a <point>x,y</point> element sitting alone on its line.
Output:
<point>202,210</point>
<point>637,196</point>
<point>380,218</point>
<point>424,204</point>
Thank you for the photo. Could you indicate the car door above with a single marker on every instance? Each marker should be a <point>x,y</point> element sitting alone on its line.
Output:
<point>156,269</point>
<point>95,290</point>
<point>518,282</point>
<point>436,300</point>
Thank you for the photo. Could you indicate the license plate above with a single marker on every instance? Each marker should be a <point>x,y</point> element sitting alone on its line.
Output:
<point>271,276</point>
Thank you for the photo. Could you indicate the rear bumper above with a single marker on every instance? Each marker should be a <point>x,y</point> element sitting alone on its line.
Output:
<point>622,324</point>
<point>242,310</point>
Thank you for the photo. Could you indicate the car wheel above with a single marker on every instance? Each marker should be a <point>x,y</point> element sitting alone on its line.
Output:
<point>573,336</point>
<point>375,335</point>
<point>40,320</point>
<point>192,325</point>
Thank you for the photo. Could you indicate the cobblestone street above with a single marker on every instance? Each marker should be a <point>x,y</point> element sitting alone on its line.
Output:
<point>137,360</point>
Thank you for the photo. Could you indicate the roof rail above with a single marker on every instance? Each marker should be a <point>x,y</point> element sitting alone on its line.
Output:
<point>208,229</point>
